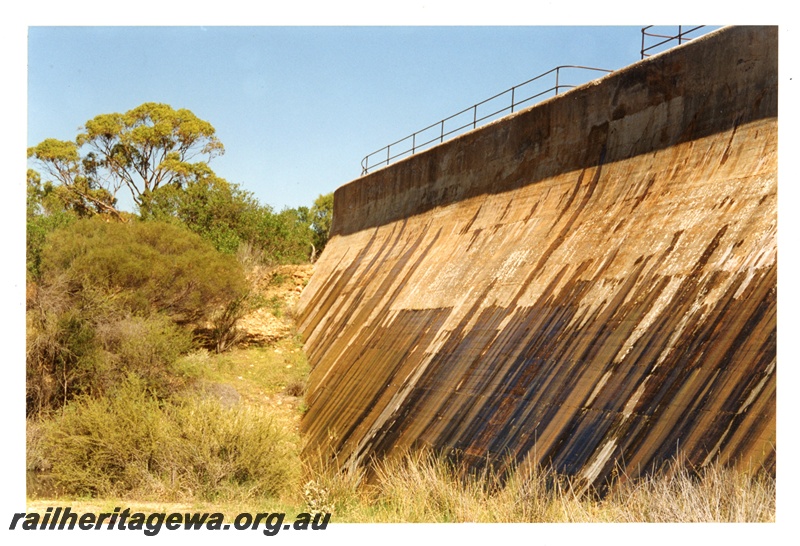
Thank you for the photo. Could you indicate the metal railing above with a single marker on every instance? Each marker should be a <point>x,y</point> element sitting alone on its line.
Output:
<point>681,37</point>
<point>437,132</point>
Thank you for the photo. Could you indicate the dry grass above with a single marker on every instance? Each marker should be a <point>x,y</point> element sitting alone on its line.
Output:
<point>424,488</point>
<point>715,494</point>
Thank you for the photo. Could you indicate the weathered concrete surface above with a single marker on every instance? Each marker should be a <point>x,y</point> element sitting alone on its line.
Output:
<point>587,281</point>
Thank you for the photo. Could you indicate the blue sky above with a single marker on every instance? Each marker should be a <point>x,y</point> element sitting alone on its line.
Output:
<point>298,107</point>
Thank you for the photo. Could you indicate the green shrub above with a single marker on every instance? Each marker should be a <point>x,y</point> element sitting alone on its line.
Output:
<point>209,206</point>
<point>37,229</point>
<point>146,267</point>
<point>132,444</point>
<point>104,446</point>
<point>234,222</point>
<point>147,346</point>
<point>42,217</point>
<point>284,237</point>
<point>119,298</point>
<point>62,356</point>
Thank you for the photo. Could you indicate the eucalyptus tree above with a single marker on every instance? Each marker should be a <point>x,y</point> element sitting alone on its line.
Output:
<point>141,150</point>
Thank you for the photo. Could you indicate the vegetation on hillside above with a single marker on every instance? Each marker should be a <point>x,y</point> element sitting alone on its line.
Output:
<point>113,292</point>
<point>115,299</point>
<point>161,157</point>
<point>121,303</point>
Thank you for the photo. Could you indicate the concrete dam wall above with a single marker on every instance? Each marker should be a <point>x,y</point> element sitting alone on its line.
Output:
<point>586,283</point>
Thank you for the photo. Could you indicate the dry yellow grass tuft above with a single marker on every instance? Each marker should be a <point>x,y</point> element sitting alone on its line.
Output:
<point>421,487</point>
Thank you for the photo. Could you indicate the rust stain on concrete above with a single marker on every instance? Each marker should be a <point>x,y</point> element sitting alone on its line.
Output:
<point>588,282</point>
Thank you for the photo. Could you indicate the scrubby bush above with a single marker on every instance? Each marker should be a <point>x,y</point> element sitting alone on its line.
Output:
<point>76,351</point>
<point>234,221</point>
<point>43,216</point>
<point>232,452</point>
<point>148,346</point>
<point>133,444</point>
<point>210,206</point>
<point>63,357</point>
<point>96,445</point>
<point>281,238</point>
<point>118,298</point>
<point>145,266</point>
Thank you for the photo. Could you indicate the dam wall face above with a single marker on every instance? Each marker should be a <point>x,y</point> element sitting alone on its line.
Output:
<point>586,283</point>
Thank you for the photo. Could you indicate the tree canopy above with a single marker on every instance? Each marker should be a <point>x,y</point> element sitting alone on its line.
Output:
<point>79,190</point>
<point>142,150</point>
<point>322,219</point>
<point>161,156</point>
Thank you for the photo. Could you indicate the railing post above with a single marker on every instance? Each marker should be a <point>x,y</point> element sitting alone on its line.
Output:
<point>642,52</point>
<point>558,69</point>
<point>413,143</point>
<point>389,147</point>
<point>512,99</point>
<point>680,34</point>
<point>474,116</point>
<point>441,138</point>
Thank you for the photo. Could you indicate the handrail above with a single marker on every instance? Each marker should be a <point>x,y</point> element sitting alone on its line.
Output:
<point>681,37</point>
<point>413,146</point>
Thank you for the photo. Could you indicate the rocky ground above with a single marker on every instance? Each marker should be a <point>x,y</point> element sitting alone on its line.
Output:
<point>276,292</point>
<point>267,367</point>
